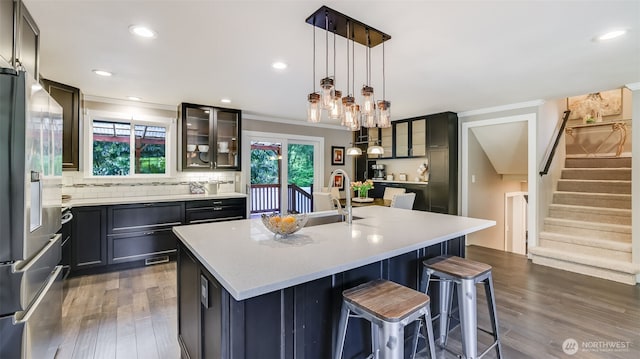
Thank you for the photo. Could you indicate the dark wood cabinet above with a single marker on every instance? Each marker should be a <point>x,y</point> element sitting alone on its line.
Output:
<point>69,98</point>
<point>7,8</point>
<point>210,138</point>
<point>89,230</point>
<point>188,305</point>
<point>143,231</point>
<point>19,37</point>
<point>212,301</point>
<point>442,151</point>
<point>215,210</point>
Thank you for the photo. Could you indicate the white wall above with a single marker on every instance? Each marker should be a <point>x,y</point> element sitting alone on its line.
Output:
<point>486,197</point>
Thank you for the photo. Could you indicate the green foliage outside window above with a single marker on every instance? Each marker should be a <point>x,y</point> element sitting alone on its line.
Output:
<point>300,165</point>
<point>110,158</point>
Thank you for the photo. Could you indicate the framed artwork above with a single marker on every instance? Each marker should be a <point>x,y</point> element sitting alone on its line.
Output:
<point>609,103</point>
<point>337,155</point>
<point>338,181</point>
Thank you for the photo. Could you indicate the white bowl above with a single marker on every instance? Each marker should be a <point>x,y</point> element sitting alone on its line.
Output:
<point>191,148</point>
<point>203,148</point>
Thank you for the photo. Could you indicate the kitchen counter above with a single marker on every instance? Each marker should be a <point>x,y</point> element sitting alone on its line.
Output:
<point>82,202</point>
<point>248,262</point>
<point>400,182</point>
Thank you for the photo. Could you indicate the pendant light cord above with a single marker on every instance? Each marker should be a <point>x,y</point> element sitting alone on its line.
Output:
<point>326,43</point>
<point>313,80</point>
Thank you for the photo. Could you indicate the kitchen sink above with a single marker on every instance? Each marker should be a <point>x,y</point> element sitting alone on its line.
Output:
<point>334,218</point>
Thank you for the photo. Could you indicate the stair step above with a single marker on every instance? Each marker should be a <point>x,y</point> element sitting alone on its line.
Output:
<point>593,214</point>
<point>623,174</point>
<point>601,162</point>
<point>618,232</point>
<point>619,271</point>
<point>594,186</point>
<point>608,200</point>
<point>614,250</point>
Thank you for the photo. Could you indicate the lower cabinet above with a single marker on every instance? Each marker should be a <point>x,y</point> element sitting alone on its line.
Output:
<point>200,303</point>
<point>141,245</point>
<point>89,233</point>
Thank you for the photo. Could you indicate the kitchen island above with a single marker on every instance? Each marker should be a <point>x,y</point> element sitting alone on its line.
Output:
<point>244,294</point>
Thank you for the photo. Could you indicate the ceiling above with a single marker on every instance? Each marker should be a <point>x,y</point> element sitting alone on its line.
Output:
<point>443,55</point>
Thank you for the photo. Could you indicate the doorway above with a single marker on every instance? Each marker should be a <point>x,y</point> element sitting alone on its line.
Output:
<point>282,172</point>
<point>515,222</point>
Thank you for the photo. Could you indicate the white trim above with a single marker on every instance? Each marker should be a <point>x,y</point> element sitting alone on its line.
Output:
<point>284,139</point>
<point>635,86</point>
<point>488,110</point>
<point>170,147</point>
<point>532,211</point>
<point>507,195</point>
<point>256,117</point>
<point>140,104</point>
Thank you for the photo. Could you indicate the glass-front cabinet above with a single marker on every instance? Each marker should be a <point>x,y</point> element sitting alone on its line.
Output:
<point>210,137</point>
<point>402,139</point>
<point>418,138</point>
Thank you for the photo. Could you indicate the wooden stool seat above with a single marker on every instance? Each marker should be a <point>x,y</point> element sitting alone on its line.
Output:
<point>386,300</point>
<point>457,267</point>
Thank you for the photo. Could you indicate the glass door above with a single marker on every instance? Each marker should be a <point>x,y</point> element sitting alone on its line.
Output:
<point>300,177</point>
<point>226,139</point>
<point>265,176</point>
<point>282,173</point>
<point>197,140</point>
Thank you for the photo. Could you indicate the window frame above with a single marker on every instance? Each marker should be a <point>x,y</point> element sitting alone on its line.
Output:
<point>132,120</point>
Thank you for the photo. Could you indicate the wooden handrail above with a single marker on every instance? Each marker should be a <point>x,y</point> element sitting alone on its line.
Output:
<point>565,118</point>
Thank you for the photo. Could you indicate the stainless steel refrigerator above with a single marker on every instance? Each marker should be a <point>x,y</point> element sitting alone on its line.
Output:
<point>30,201</point>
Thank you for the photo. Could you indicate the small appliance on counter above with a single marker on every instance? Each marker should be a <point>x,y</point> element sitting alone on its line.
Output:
<point>378,172</point>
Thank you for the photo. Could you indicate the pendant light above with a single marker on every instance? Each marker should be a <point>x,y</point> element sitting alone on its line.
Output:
<point>313,107</point>
<point>353,151</point>
<point>375,150</point>
<point>368,103</point>
<point>335,109</point>
<point>326,84</point>
<point>384,106</point>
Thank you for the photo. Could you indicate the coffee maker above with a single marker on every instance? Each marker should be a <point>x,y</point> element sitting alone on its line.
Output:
<point>378,171</point>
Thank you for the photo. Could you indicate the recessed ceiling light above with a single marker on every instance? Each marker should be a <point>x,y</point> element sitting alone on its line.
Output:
<point>279,65</point>
<point>611,35</point>
<point>225,100</point>
<point>102,73</point>
<point>142,31</point>
<point>134,98</point>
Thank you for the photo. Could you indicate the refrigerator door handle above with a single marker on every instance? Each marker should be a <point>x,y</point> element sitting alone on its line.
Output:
<point>66,218</point>
<point>23,317</point>
<point>20,267</point>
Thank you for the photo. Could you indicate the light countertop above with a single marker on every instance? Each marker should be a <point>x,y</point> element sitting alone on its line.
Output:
<point>401,182</point>
<point>83,202</point>
<point>246,259</point>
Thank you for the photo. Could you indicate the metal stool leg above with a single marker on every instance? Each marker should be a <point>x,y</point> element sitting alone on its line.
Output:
<point>392,340</point>
<point>468,317</point>
<point>414,342</point>
<point>342,331</point>
<point>429,335</point>
<point>493,313</point>
<point>375,342</point>
<point>446,298</point>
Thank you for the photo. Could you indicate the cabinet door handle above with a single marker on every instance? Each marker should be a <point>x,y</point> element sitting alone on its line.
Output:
<point>204,291</point>
<point>217,202</point>
<point>148,233</point>
<point>217,208</point>
<point>148,204</point>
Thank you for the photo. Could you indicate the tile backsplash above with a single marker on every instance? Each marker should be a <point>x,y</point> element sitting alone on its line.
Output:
<point>77,186</point>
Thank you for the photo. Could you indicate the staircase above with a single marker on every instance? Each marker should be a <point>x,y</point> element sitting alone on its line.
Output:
<point>588,230</point>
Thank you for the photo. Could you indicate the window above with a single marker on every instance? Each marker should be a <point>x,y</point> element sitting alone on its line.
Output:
<point>121,147</point>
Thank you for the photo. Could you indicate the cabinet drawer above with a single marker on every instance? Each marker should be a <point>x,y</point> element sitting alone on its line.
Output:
<point>136,246</point>
<point>148,216</point>
<point>214,214</point>
<point>216,203</point>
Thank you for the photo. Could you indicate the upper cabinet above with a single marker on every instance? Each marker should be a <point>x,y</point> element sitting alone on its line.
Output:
<point>19,37</point>
<point>210,138</point>
<point>69,98</point>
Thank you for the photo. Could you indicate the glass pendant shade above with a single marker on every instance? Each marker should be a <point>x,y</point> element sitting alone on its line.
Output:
<point>313,109</point>
<point>368,103</point>
<point>335,111</point>
<point>355,114</point>
<point>353,151</point>
<point>369,120</point>
<point>375,150</point>
<point>347,114</point>
<point>384,114</point>
<point>326,84</point>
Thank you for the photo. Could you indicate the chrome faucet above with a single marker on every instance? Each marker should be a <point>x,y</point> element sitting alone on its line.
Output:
<point>347,182</point>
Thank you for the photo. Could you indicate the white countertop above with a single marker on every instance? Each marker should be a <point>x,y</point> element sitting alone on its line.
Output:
<point>147,199</point>
<point>246,259</point>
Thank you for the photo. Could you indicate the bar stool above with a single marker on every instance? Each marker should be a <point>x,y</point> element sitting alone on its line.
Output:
<point>389,307</point>
<point>465,274</point>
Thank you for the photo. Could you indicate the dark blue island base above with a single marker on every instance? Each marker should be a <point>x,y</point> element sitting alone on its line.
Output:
<point>296,322</point>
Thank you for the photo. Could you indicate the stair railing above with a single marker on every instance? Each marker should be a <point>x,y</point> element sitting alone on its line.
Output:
<point>551,154</point>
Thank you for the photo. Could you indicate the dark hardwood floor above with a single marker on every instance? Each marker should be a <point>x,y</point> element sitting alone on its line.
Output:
<point>132,314</point>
